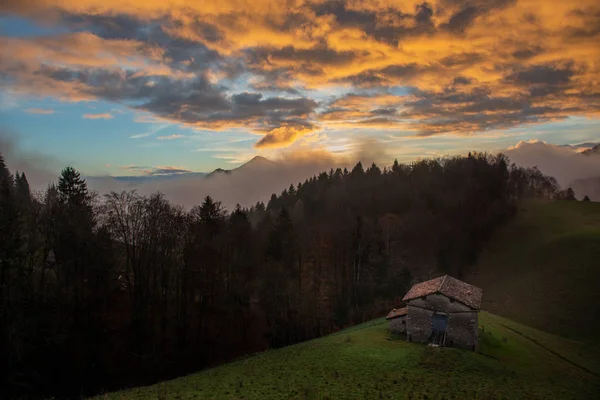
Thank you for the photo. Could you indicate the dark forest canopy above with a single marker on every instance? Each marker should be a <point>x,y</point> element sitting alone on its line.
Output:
<point>98,293</point>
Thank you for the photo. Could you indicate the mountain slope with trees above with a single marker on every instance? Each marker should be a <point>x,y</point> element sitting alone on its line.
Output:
<point>105,292</point>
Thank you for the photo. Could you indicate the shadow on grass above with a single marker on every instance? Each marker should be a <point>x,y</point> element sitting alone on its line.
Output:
<point>393,336</point>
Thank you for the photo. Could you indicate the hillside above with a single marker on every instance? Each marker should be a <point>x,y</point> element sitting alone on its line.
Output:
<point>539,269</point>
<point>364,362</point>
<point>542,268</point>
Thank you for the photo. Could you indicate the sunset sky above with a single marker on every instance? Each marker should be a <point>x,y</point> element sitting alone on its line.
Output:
<point>124,87</point>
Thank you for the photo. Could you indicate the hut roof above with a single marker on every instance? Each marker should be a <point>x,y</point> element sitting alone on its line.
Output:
<point>395,313</point>
<point>450,287</point>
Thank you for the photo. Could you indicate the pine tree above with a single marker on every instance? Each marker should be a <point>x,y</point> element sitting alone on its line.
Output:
<point>358,170</point>
<point>72,188</point>
<point>292,190</point>
<point>210,210</point>
<point>396,167</point>
<point>22,190</point>
<point>273,202</point>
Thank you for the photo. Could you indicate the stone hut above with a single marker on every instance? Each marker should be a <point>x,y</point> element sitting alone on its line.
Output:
<point>397,318</point>
<point>443,311</point>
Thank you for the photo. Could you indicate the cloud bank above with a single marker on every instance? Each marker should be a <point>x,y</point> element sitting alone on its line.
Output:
<point>258,180</point>
<point>566,163</point>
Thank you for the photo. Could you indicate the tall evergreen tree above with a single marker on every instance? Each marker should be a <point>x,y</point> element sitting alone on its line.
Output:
<point>72,187</point>
<point>23,192</point>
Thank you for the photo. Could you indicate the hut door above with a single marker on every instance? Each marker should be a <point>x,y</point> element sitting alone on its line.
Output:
<point>438,328</point>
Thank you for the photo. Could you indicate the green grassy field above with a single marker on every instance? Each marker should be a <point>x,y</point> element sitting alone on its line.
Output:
<point>543,268</point>
<point>364,362</point>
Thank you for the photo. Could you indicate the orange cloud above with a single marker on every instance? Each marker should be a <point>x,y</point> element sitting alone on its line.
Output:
<point>45,111</point>
<point>98,116</point>
<point>283,136</point>
<point>170,137</point>
<point>464,67</point>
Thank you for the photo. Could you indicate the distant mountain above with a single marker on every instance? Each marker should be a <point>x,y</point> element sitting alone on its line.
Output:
<point>591,151</point>
<point>218,171</point>
<point>257,164</point>
<point>580,146</point>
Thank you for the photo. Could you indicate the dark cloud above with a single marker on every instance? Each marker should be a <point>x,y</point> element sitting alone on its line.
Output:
<point>461,80</point>
<point>384,111</point>
<point>205,105</point>
<point>366,79</point>
<point>542,75</point>
<point>590,28</point>
<point>424,14</point>
<point>469,10</point>
<point>392,74</point>
<point>462,19</point>
<point>169,171</point>
<point>478,109</point>
<point>389,26</point>
<point>484,4</point>
<point>192,101</point>
<point>120,26</point>
<point>473,111</point>
<point>265,86</point>
<point>527,52</point>
<point>344,15</point>
<point>178,53</point>
<point>320,55</point>
<point>186,101</point>
<point>462,59</point>
<point>135,167</point>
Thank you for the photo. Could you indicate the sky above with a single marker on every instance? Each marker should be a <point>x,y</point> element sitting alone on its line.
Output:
<point>143,87</point>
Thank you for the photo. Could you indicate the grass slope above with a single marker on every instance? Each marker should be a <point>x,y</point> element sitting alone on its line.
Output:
<point>364,362</point>
<point>543,268</point>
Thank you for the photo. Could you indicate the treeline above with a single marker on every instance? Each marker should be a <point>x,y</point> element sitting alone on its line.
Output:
<point>99,293</point>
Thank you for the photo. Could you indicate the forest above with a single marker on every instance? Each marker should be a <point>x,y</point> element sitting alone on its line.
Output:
<point>101,292</point>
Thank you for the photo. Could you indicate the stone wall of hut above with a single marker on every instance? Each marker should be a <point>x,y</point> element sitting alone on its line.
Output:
<point>462,326</point>
<point>418,324</point>
<point>398,325</point>
<point>462,330</point>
